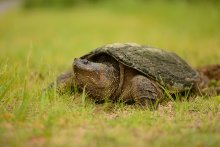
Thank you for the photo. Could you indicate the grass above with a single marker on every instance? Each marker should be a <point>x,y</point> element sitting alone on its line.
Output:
<point>37,45</point>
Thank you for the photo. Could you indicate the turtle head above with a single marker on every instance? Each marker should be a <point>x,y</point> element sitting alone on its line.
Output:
<point>99,79</point>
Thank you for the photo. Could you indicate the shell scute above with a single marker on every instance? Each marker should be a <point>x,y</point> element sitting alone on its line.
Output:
<point>165,67</point>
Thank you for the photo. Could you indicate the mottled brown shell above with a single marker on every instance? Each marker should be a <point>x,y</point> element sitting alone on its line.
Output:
<point>165,67</point>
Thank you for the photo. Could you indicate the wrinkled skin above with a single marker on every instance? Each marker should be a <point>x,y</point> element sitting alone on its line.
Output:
<point>100,80</point>
<point>103,77</point>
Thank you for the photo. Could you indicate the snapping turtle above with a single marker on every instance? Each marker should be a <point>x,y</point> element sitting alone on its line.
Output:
<point>130,72</point>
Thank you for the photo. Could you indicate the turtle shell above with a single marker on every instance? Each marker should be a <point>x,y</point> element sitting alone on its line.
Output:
<point>165,67</point>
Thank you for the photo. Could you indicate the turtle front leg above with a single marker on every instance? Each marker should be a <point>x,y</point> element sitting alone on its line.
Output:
<point>145,91</point>
<point>64,82</point>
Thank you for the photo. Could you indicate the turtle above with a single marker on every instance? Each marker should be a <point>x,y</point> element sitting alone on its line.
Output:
<point>131,73</point>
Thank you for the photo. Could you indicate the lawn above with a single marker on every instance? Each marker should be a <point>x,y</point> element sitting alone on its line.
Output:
<point>37,45</point>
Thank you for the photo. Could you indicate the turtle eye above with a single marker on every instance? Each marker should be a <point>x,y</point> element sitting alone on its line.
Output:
<point>85,61</point>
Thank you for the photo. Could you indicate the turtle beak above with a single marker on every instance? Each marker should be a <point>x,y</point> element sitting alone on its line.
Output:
<point>82,64</point>
<point>88,66</point>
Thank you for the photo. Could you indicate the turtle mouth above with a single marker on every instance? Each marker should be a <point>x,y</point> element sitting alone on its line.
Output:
<point>89,73</point>
<point>87,67</point>
<point>82,64</point>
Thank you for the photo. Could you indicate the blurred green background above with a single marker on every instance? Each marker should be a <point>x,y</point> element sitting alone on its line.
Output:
<point>70,3</point>
<point>40,38</point>
<point>70,28</point>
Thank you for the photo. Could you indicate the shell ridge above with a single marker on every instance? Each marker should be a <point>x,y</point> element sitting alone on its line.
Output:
<point>154,63</point>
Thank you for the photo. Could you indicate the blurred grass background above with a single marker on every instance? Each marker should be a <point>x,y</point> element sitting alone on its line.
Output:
<point>40,39</point>
<point>70,3</point>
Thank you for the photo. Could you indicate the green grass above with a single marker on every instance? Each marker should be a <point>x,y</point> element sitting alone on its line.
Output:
<point>37,45</point>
